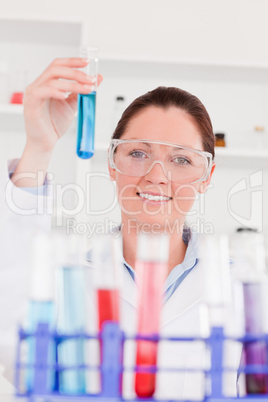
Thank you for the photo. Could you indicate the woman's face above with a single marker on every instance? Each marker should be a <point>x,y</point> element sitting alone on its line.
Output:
<point>171,125</point>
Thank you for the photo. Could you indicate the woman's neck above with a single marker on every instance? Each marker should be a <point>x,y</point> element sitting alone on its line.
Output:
<point>177,247</point>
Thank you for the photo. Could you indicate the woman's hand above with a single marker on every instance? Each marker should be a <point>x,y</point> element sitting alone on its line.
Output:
<point>48,113</point>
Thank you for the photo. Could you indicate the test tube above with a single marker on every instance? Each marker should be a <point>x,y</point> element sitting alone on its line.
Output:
<point>71,316</point>
<point>41,306</point>
<point>250,256</point>
<point>105,255</point>
<point>255,352</point>
<point>215,266</point>
<point>151,270</point>
<point>107,279</point>
<point>86,106</point>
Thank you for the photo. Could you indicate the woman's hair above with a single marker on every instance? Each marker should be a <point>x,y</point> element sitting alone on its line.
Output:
<point>165,97</point>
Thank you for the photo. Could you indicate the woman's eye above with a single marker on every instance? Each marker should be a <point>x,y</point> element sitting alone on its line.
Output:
<point>181,160</point>
<point>137,154</point>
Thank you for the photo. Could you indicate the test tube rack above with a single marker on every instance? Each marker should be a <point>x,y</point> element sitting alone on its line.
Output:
<point>111,368</point>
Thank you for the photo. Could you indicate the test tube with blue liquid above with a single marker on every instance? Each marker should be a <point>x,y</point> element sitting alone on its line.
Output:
<point>86,106</point>
<point>41,308</point>
<point>71,315</point>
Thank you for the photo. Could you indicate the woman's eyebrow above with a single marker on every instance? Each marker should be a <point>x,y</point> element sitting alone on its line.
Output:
<point>148,144</point>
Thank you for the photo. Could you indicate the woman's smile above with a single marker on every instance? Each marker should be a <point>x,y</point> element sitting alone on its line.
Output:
<point>153,198</point>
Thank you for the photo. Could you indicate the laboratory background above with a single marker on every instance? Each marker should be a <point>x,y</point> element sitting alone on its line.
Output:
<point>216,50</point>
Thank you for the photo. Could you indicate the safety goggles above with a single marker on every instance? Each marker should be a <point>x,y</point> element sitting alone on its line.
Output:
<point>180,164</point>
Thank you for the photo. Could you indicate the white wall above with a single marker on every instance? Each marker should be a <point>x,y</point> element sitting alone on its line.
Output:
<point>229,30</point>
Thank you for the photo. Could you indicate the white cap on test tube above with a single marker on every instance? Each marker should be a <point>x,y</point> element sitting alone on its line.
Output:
<point>249,255</point>
<point>153,247</point>
<point>214,263</point>
<point>106,258</point>
<point>42,272</point>
<point>69,250</point>
<point>76,248</point>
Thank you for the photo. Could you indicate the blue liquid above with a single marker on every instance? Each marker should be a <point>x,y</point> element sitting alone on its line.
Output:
<point>86,105</point>
<point>71,320</point>
<point>40,312</point>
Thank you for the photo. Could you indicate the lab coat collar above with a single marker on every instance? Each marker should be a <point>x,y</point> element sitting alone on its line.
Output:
<point>190,291</point>
<point>129,290</point>
<point>185,297</point>
<point>188,262</point>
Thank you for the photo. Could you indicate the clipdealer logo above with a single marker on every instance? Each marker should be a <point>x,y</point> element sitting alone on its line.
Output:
<point>253,189</point>
<point>51,198</point>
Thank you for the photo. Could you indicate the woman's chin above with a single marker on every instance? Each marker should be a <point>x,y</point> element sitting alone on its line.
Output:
<point>154,223</point>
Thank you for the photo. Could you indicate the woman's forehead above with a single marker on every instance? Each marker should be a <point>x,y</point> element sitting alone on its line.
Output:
<point>173,125</point>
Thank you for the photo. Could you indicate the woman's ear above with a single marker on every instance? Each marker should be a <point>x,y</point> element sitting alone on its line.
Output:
<point>204,184</point>
<point>111,173</point>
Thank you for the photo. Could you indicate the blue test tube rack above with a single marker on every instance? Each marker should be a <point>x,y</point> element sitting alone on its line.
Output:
<point>111,368</point>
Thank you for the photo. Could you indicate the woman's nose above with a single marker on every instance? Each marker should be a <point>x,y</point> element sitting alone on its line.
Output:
<point>156,173</point>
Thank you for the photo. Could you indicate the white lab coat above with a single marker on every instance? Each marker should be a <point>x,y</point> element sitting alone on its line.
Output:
<point>181,315</point>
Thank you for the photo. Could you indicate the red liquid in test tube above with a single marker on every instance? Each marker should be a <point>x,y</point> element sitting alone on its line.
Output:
<point>107,282</point>
<point>107,279</point>
<point>151,274</point>
<point>108,304</point>
<point>149,320</point>
<point>108,309</point>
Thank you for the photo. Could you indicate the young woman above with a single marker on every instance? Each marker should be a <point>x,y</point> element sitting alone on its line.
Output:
<point>162,192</point>
<point>161,156</point>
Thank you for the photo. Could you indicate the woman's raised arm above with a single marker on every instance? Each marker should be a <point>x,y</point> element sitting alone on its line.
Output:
<point>50,105</point>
